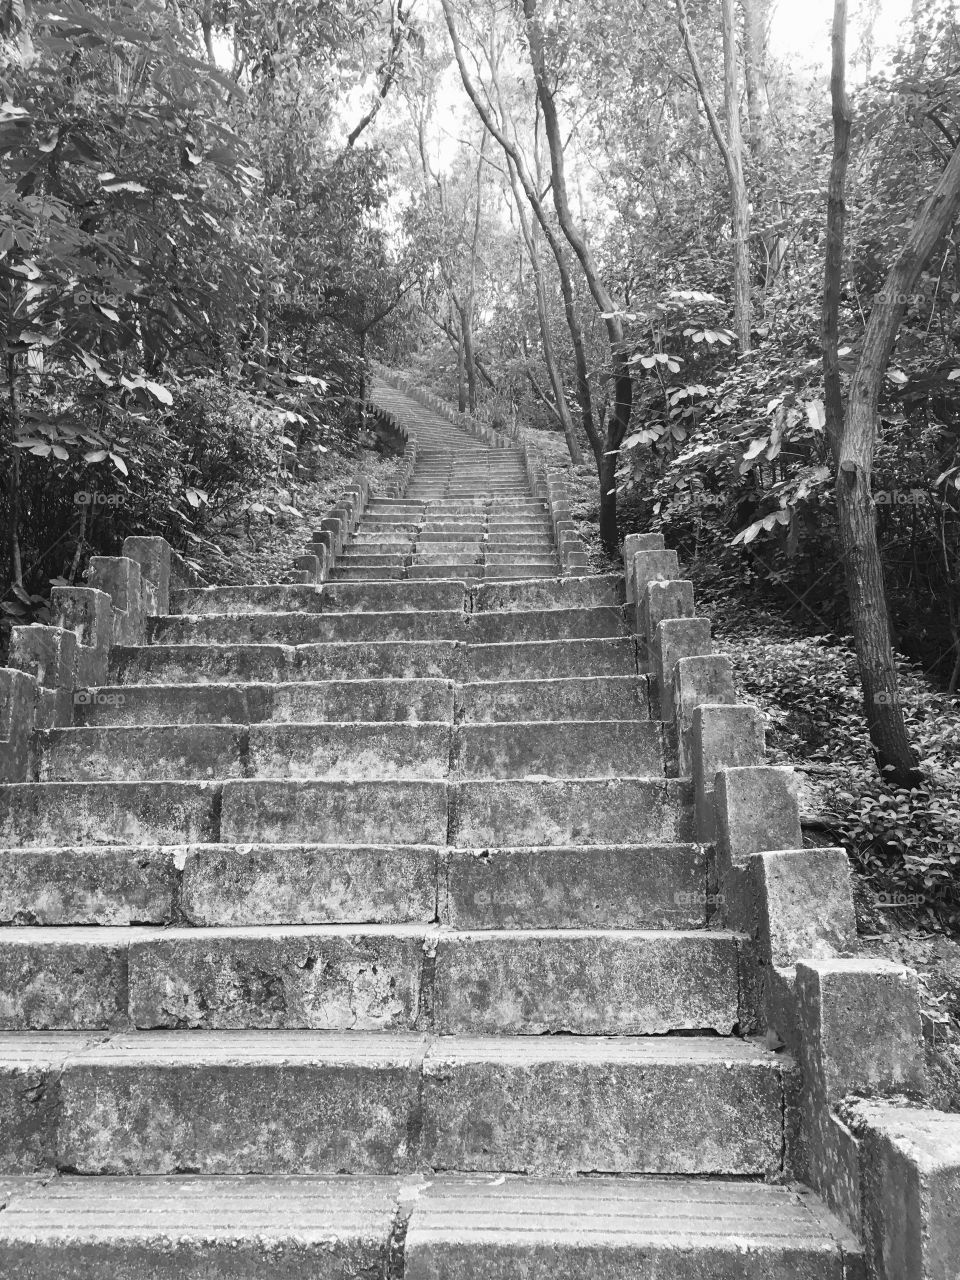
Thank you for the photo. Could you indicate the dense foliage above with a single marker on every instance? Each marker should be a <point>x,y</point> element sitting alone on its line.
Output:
<point>188,258</point>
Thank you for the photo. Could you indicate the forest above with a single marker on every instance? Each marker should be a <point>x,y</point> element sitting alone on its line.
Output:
<point>722,280</point>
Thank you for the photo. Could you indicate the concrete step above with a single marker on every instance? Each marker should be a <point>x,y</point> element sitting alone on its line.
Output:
<point>570,812</point>
<point>509,626</point>
<point>561,749</point>
<point>556,593</point>
<point>294,702</point>
<point>214,664</point>
<point>580,982</point>
<point>267,598</point>
<point>394,597</point>
<point>321,812</point>
<point>316,628</point>
<point>243,810</point>
<point>500,627</point>
<point>330,750</point>
<point>583,698</point>
<point>558,659</point>
<point>258,1102</point>
<point>603,886</point>
<point>158,1228</point>
<point>514,571</point>
<point>518,557</point>
<point>624,1229</point>
<point>367,573</point>
<point>364,560</point>
<point>219,884</point>
<point>372,977</point>
<point>469,573</point>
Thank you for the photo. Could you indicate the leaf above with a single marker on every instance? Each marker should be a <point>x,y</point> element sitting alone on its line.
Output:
<point>119,463</point>
<point>897,376</point>
<point>953,375</point>
<point>61,453</point>
<point>95,455</point>
<point>756,447</point>
<point>159,392</point>
<point>816,415</point>
<point>50,141</point>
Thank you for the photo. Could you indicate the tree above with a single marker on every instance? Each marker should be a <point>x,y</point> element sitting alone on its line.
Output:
<point>852,429</point>
<point>731,148</point>
<point>604,442</point>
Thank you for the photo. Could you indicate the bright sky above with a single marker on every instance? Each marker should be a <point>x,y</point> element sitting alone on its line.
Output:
<point>802,28</point>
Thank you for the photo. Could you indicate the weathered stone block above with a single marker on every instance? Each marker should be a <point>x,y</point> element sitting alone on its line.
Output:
<point>757,809</point>
<point>633,543</point>
<point>629,1105</point>
<point>119,577</point>
<point>88,613</point>
<point>910,1169</point>
<point>603,983</point>
<point>48,653</point>
<point>859,1026</point>
<point>669,599</point>
<point>805,904</point>
<point>651,566</point>
<point>153,557</point>
<point>63,979</point>
<point>328,978</point>
<point>704,678</point>
<point>675,638</point>
<point>241,1102</point>
<point>720,737</point>
<point>18,702</point>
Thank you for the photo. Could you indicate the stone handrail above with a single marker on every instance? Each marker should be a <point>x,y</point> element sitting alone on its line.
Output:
<point>886,1164</point>
<point>50,668</point>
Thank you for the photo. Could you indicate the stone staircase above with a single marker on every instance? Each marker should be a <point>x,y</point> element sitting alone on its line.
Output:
<point>360,930</point>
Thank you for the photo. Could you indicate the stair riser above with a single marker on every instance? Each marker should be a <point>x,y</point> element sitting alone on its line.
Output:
<point>262,751</point>
<point>111,1110</point>
<point>369,980</point>
<point>246,600</point>
<point>533,661</point>
<point>615,887</point>
<point>317,628</point>
<point>373,701</point>
<point>321,628</point>
<point>423,660</point>
<point>642,887</point>
<point>635,810</point>
<point>564,750</point>
<point>602,698</point>
<point>564,1258</point>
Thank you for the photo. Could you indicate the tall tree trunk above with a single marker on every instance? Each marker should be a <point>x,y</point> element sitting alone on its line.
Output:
<point>531,191</point>
<point>461,375</point>
<point>13,474</point>
<point>543,315</point>
<point>739,199</point>
<point>836,233</point>
<point>731,149</point>
<point>754,60</point>
<point>612,316</point>
<point>863,567</point>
